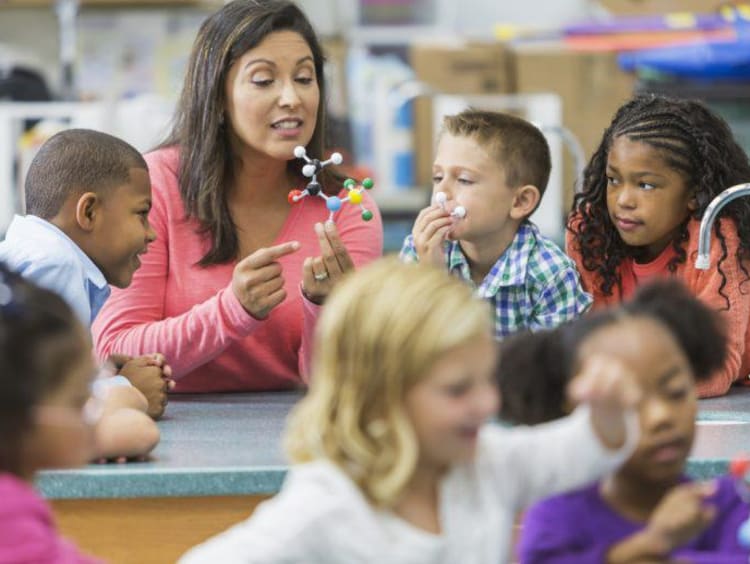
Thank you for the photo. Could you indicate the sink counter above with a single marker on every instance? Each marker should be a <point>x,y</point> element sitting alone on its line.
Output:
<point>723,433</point>
<point>220,455</point>
<point>230,444</point>
<point>223,444</point>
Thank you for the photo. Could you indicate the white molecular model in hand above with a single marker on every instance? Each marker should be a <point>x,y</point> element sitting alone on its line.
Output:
<point>459,212</point>
<point>313,188</point>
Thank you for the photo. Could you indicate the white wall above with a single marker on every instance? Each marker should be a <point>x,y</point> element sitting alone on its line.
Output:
<point>470,17</point>
<point>37,47</point>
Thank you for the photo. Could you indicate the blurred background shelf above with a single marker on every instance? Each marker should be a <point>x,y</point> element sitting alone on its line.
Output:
<point>376,50</point>
<point>113,3</point>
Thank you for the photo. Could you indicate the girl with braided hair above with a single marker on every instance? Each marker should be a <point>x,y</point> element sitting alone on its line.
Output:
<point>645,189</point>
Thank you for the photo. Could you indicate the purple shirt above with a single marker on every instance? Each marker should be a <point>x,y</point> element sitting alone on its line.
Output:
<point>580,528</point>
<point>27,531</point>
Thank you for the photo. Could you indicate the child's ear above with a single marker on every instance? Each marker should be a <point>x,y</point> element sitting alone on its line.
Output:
<point>692,204</point>
<point>87,210</point>
<point>525,201</point>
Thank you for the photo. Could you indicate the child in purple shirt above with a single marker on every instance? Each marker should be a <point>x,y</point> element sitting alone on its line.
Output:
<point>647,511</point>
<point>582,528</point>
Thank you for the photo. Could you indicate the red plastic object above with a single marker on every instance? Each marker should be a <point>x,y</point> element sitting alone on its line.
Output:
<point>739,466</point>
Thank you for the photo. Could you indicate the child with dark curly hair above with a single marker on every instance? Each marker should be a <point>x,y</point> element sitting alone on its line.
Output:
<point>647,510</point>
<point>659,165</point>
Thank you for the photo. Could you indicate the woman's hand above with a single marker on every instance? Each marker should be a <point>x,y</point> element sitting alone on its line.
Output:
<point>430,231</point>
<point>257,280</point>
<point>320,274</point>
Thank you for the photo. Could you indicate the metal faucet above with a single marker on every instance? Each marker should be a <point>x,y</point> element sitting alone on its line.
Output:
<point>573,144</point>
<point>703,260</point>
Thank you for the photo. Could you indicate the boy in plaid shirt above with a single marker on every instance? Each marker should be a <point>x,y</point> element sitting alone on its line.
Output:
<point>492,169</point>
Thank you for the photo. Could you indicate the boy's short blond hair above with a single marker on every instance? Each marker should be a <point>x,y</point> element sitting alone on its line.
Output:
<point>519,146</point>
<point>380,332</point>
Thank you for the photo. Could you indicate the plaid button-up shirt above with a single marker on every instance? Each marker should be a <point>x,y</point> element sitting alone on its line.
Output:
<point>533,285</point>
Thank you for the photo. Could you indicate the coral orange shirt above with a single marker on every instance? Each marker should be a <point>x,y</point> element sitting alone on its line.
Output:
<point>190,313</point>
<point>704,284</point>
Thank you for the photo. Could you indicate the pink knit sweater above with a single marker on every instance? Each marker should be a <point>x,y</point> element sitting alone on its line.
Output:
<point>190,313</point>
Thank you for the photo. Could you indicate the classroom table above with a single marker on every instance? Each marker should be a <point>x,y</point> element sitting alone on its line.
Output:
<point>221,454</point>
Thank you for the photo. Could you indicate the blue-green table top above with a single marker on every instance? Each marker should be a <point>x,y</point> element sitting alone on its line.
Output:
<point>222,444</point>
<point>723,433</point>
<point>230,444</point>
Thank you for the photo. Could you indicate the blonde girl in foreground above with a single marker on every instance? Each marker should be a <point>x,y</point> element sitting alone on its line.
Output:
<point>393,458</point>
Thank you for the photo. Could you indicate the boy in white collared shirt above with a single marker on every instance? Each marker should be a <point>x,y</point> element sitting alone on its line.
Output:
<point>88,196</point>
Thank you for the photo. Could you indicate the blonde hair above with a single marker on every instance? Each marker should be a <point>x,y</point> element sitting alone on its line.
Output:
<point>379,333</point>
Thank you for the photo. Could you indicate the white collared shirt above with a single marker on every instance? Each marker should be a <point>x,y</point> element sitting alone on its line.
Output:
<point>40,252</point>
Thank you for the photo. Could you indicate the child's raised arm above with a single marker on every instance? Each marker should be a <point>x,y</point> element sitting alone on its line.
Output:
<point>538,461</point>
<point>612,392</point>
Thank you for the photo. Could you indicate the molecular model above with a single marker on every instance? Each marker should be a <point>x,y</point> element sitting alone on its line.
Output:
<point>739,468</point>
<point>313,188</point>
<point>458,212</point>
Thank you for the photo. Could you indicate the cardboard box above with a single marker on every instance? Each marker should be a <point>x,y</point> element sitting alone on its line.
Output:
<point>473,68</point>
<point>591,85</point>
<point>455,68</point>
<point>640,7</point>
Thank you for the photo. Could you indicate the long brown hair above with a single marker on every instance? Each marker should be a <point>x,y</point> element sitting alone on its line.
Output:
<point>205,168</point>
